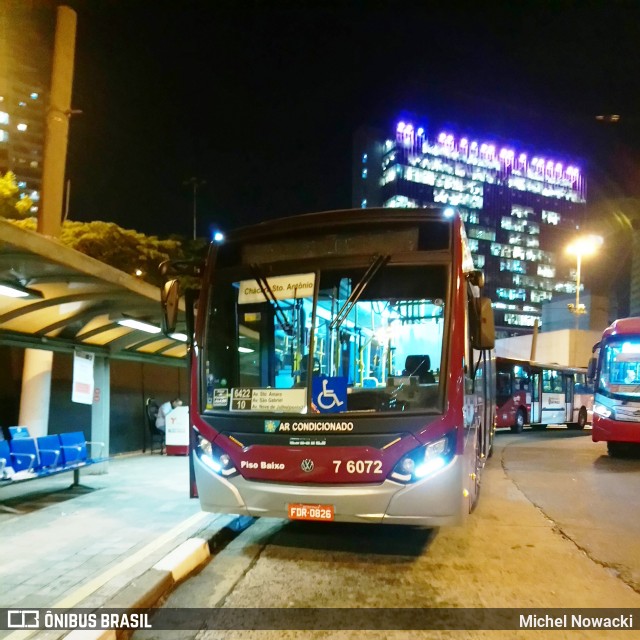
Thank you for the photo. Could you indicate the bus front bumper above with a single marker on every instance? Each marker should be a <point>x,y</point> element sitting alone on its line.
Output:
<point>607,430</point>
<point>431,502</point>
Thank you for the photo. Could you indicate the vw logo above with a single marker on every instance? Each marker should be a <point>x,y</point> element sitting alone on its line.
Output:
<point>306,465</point>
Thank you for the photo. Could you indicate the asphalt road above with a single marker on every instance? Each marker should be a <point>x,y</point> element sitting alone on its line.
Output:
<point>594,500</point>
<point>556,526</point>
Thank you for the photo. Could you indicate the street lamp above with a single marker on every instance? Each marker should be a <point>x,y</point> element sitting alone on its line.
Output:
<point>581,247</point>
<point>194,183</point>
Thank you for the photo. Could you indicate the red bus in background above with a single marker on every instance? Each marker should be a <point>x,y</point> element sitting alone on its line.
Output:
<point>536,394</point>
<point>342,370</point>
<point>616,373</point>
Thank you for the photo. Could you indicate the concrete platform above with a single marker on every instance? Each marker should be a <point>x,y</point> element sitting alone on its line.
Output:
<point>118,540</point>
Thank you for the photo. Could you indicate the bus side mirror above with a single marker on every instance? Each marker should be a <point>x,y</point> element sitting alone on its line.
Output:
<point>591,369</point>
<point>170,298</point>
<point>483,333</point>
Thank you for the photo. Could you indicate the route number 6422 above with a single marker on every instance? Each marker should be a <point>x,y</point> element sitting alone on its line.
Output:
<point>359,466</point>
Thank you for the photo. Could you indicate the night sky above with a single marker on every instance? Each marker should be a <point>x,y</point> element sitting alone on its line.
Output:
<point>260,99</point>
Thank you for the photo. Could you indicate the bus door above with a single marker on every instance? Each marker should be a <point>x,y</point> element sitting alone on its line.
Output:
<point>535,417</point>
<point>568,398</point>
<point>506,409</point>
<point>552,402</point>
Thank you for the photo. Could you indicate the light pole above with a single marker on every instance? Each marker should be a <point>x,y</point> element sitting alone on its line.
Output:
<point>194,183</point>
<point>581,247</point>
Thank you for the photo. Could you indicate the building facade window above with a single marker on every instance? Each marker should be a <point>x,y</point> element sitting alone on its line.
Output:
<point>550,217</point>
<point>511,294</point>
<point>546,271</point>
<point>481,233</point>
<point>401,202</point>
<point>521,319</point>
<point>516,266</point>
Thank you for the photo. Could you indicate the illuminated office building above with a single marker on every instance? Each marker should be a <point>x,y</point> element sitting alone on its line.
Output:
<point>25,49</point>
<point>520,209</point>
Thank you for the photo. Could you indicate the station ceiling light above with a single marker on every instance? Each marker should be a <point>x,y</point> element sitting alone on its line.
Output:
<point>16,290</point>
<point>140,325</point>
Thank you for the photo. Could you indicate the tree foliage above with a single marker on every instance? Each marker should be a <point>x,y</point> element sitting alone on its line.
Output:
<point>124,249</point>
<point>13,204</point>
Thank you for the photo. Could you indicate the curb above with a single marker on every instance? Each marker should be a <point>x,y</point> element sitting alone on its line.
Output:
<point>157,582</point>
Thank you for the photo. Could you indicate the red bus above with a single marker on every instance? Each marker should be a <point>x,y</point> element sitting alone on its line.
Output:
<point>342,370</point>
<point>536,394</point>
<point>616,372</point>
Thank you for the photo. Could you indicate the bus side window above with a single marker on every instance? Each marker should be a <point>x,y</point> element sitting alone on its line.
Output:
<point>503,384</point>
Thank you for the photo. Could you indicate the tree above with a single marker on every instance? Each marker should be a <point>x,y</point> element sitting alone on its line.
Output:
<point>13,204</point>
<point>124,249</point>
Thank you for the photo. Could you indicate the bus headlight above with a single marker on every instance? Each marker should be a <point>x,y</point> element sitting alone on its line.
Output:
<point>215,458</point>
<point>602,411</point>
<point>424,461</point>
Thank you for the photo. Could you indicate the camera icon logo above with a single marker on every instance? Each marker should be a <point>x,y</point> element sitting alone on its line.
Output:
<point>23,618</point>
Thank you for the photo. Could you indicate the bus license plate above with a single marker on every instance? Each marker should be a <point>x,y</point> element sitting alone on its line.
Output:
<point>322,512</point>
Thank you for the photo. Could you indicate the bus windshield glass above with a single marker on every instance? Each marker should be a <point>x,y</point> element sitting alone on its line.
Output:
<point>620,374</point>
<point>333,340</point>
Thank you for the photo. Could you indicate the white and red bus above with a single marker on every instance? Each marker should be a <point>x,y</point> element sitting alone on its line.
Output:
<point>537,395</point>
<point>342,370</point>
<point>616,373</point>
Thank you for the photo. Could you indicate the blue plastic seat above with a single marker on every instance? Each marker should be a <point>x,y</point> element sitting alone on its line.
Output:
<point>50,451</point>
<point>19,432</point>
<point>25,454</point>
<point>74,447</point>
<point>5,457</point>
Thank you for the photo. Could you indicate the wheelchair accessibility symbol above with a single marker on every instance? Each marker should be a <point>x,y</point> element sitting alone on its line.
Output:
<point>330,394</point>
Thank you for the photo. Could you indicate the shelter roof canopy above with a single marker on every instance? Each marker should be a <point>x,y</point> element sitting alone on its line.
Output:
<point>74,301</point>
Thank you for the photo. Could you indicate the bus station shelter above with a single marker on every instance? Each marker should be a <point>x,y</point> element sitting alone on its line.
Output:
<point>55,298</point>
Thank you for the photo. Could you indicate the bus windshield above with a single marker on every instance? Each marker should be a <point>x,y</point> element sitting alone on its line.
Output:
<point>620,373</point>
<point>333,340</point>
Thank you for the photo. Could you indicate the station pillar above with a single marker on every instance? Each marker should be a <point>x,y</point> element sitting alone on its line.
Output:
<point>100,412</point>
<point>36,391</point>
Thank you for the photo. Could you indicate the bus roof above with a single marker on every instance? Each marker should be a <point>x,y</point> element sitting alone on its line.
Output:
<point>337,219</point>
<point>622,326</point>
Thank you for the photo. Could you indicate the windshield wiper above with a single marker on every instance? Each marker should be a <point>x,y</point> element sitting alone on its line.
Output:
<point>270,296</point>
<point>357,291</point>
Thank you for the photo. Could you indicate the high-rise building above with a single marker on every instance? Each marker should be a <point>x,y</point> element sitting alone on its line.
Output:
<point>25,52</point>
<point>520,209</point>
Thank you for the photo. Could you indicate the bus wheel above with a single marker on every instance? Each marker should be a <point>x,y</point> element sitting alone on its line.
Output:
<point>518,425</point>
<point>582,420</point>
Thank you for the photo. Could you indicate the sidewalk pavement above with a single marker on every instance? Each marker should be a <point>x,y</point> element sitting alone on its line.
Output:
<point>118,540</point>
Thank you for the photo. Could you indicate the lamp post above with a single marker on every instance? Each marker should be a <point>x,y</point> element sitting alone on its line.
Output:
<point>194,183</point>
<point>581,247</point>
